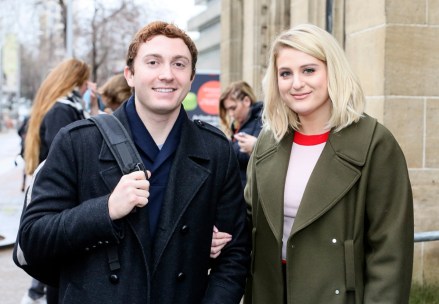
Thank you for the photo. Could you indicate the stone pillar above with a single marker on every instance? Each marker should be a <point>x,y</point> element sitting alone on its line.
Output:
<point>247,29</point>
<point>264,19</point>
<point>232,19</point>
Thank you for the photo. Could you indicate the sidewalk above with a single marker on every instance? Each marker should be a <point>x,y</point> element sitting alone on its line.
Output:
<point>13,281</point>
<point>11,197</point>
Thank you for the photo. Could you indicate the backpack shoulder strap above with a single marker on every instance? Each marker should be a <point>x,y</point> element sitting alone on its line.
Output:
<point>119,142</point>
<point>127,157</point>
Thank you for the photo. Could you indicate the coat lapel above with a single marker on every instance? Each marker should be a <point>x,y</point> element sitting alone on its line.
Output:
<point>271,168</point>
<point>336,171</point>
<point>322,192</point>
<point>185,179</point>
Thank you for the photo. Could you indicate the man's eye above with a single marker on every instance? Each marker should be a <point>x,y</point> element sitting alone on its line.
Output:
<point>180,65</point>
<point>152,62</point>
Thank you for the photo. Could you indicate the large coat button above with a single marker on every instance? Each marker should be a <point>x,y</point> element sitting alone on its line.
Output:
<point>184,229</point>
<point>181,276</point>
<point>114,278</point>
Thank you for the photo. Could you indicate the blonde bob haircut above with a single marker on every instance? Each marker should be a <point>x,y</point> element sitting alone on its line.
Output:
<point>344,89</point>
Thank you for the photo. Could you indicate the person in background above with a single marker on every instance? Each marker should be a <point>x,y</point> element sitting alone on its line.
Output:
<point>158,220</point>
<point>240,118</point>
<point>114,92</point>
<point>328,186</point>
<point>58,102</point>
<point>22,130</point>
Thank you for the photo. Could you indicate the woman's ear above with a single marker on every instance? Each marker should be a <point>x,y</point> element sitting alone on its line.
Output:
<point>247,101</point>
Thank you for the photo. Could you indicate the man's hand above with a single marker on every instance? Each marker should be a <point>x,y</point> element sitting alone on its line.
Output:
<point>131,191</point>
<point>219,240</point>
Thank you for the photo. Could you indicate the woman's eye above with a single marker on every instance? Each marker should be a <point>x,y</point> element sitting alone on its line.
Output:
<point>309,71</point>
<point>284,74</point>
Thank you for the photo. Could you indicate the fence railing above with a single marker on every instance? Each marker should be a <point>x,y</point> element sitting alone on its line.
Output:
<point>426,236</point>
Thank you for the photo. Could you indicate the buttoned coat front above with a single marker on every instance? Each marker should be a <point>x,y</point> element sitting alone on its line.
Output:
<point>352,239</point>
<point>67,223</point>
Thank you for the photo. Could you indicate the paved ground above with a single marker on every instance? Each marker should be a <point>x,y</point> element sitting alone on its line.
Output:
<point>13,281</point>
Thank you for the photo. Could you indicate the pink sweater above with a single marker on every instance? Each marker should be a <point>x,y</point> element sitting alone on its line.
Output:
<point>305,152</point>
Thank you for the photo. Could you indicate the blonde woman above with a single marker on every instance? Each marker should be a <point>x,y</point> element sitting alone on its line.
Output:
<point>240,118</point>
<point>328,187</point>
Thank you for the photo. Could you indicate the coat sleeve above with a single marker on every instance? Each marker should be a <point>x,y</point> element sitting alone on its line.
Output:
<point>389,227</point>
<point>229,271</point>
<point>242,156</point>
<point>56,224</point>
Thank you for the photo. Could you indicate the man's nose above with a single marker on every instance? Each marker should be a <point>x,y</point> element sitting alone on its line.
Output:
<point>166,73</point>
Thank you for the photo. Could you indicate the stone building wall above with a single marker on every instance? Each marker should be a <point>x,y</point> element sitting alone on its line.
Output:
<point>393,46</point>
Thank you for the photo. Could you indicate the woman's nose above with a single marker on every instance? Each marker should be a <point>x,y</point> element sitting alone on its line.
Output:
<point>297,82</point>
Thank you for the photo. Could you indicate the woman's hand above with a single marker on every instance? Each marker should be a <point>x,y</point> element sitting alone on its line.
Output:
<point>246,142</point>
<point>219,240</point>
<point>94,104</point>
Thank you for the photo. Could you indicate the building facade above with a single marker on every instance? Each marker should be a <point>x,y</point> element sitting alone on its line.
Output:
<point>392,46</point>
<point>207,23</point>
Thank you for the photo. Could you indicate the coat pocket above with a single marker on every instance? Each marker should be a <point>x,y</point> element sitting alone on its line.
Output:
<point>349,265</point>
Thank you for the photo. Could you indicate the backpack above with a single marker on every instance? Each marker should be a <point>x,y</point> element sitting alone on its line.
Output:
<point>128,159</point>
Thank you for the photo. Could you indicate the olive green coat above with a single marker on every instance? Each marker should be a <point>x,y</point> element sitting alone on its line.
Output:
<point>352,239</point>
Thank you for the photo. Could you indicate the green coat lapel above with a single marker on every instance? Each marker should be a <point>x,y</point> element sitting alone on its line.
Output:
<point>271,168</point>
<point>342,158</point>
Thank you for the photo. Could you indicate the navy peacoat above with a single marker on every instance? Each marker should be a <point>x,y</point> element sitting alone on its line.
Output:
<point>67,223</point>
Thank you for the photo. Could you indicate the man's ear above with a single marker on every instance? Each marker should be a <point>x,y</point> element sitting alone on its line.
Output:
<point>128,76</point>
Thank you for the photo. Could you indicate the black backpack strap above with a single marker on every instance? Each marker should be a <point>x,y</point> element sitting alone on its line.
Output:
<point>119,142</point>
<point>128,159</point>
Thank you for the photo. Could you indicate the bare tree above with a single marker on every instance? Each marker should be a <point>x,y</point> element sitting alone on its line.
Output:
<point>101,29</point>
<point>107,31</point>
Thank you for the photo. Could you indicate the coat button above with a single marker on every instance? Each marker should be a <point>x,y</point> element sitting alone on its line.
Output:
<point>114,279</point>
<point>337,291</point>
<point>334,241</point>
<point>181,276</point>
<point>184,229</point>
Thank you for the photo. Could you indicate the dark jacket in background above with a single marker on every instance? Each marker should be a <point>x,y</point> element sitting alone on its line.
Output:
<point>63,112</point>
<point>252,126</point>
